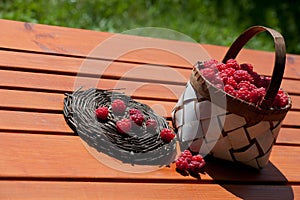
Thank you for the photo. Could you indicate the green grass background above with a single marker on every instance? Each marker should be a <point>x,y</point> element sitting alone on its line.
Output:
<point>206,21</point>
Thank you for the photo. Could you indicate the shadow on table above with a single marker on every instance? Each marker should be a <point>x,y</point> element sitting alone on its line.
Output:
<point>249,183</point>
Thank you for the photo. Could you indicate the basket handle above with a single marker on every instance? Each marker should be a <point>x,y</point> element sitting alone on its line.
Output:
<point>280,57</point>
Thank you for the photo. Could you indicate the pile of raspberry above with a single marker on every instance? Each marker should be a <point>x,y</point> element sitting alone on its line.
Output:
<point>130,118</point>
<point>187,163</point>
<point>239,80</point>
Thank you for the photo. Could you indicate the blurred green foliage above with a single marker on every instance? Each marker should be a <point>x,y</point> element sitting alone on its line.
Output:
<point>206,21</point>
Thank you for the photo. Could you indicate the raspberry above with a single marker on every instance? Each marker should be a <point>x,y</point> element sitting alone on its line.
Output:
<point>233,64</point>
<point>182,164</point>
<point>167,135</point>
<point>221,67</point>
<point>151,124</point>
<point>264,82</point>
<point>229,89</point>
<point>134,111</point>
<point>242,94</point>
<point>188,163</point>
<point>242,75</point>
<point>229,71</point>
<point>256,95</point>
<point>195,167</point>
<point>118,106</point>
<point>102,113</point>
<point>124,126</point>
<point>247,67</point>
<point>281,99</point>
<point>246,85</point>
<point>210,63</point>
<point>232,82</point>
<point>208,73</point>
<point>138,119</point>
<point>186,154</point>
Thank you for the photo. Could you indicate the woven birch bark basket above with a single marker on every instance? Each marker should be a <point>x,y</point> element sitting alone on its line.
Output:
<point>211,121</point>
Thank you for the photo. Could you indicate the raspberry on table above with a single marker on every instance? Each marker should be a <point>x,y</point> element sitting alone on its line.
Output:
<point>124,126</point>
<point>281,99</point>
<point>133,111</point>
<point>138,119</point>
<point>151,124</point>
<point>118,107</point>
<point>102,113</point>
<point>256,95</point>
<point>167,135</point>
<point>186,162</point>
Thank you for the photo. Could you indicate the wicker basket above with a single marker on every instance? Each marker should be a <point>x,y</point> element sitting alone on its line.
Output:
<point>210,121</point>
<point>139,147</point>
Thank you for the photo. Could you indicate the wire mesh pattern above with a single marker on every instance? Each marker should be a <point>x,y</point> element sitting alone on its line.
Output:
<point>139,146</point>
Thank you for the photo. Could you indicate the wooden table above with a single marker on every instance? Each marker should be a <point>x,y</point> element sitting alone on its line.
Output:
<point>42,158</point>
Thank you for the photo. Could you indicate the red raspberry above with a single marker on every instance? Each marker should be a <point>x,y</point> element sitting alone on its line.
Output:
<point>264,82</point>
<point>246,85</point>
<point>229,71</point>
<point>256,95</point>
<point>208,73</point>
<point>198,158</point>
<point>281,99</point>
<point>232,82</point>
<point>247,67</point>
<point>102,113</point>
<point>195,167</point>
<point>182,164</point>
<point>186,154</point>
<point>243,94</point>
<point>124,126</point>
<point>118,106</point>
<point>221,67</point>
<point>134,111</point>
<point>229,89</point>
<point>167,135</point>
<point>138,119</point>
<point>233,64</point>
<point>212,63</point>
<point>242,75</point>
<point>151,124</point>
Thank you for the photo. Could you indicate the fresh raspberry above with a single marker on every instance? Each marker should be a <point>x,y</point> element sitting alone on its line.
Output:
<point>243,94</point>
<point>242,75</point>
<point>212,63</point>
<point>256,95</point>
<point>264,82</point>
<point>281,99</point>
<point>246,66</point>
<point>186,162</point>
<point>231,81</point>
<point>151,124</point>
<point>233,64</point>
<point>102,113</point>
<point>195,167</point>
<point>134,111</point>
<point>198,158</point>
<point>229,71</point>
<point>221,67</point>
<point>186,154</point>
<point>138,119</point>
<point>208,73</point>
<point>118,106</point>
<point>181,164</point>
<point>246,85</point>
<point>229,89</point>
<point>124,126</point>
<point>167,135</point>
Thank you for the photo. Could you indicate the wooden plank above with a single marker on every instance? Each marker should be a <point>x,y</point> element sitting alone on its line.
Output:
<point>40,156</point>
<point>93,190</point>
<point>90,190</point>
<point>51,39</point>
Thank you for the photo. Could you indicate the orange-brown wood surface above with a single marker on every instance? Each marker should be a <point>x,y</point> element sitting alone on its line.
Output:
<point>42,158</point>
